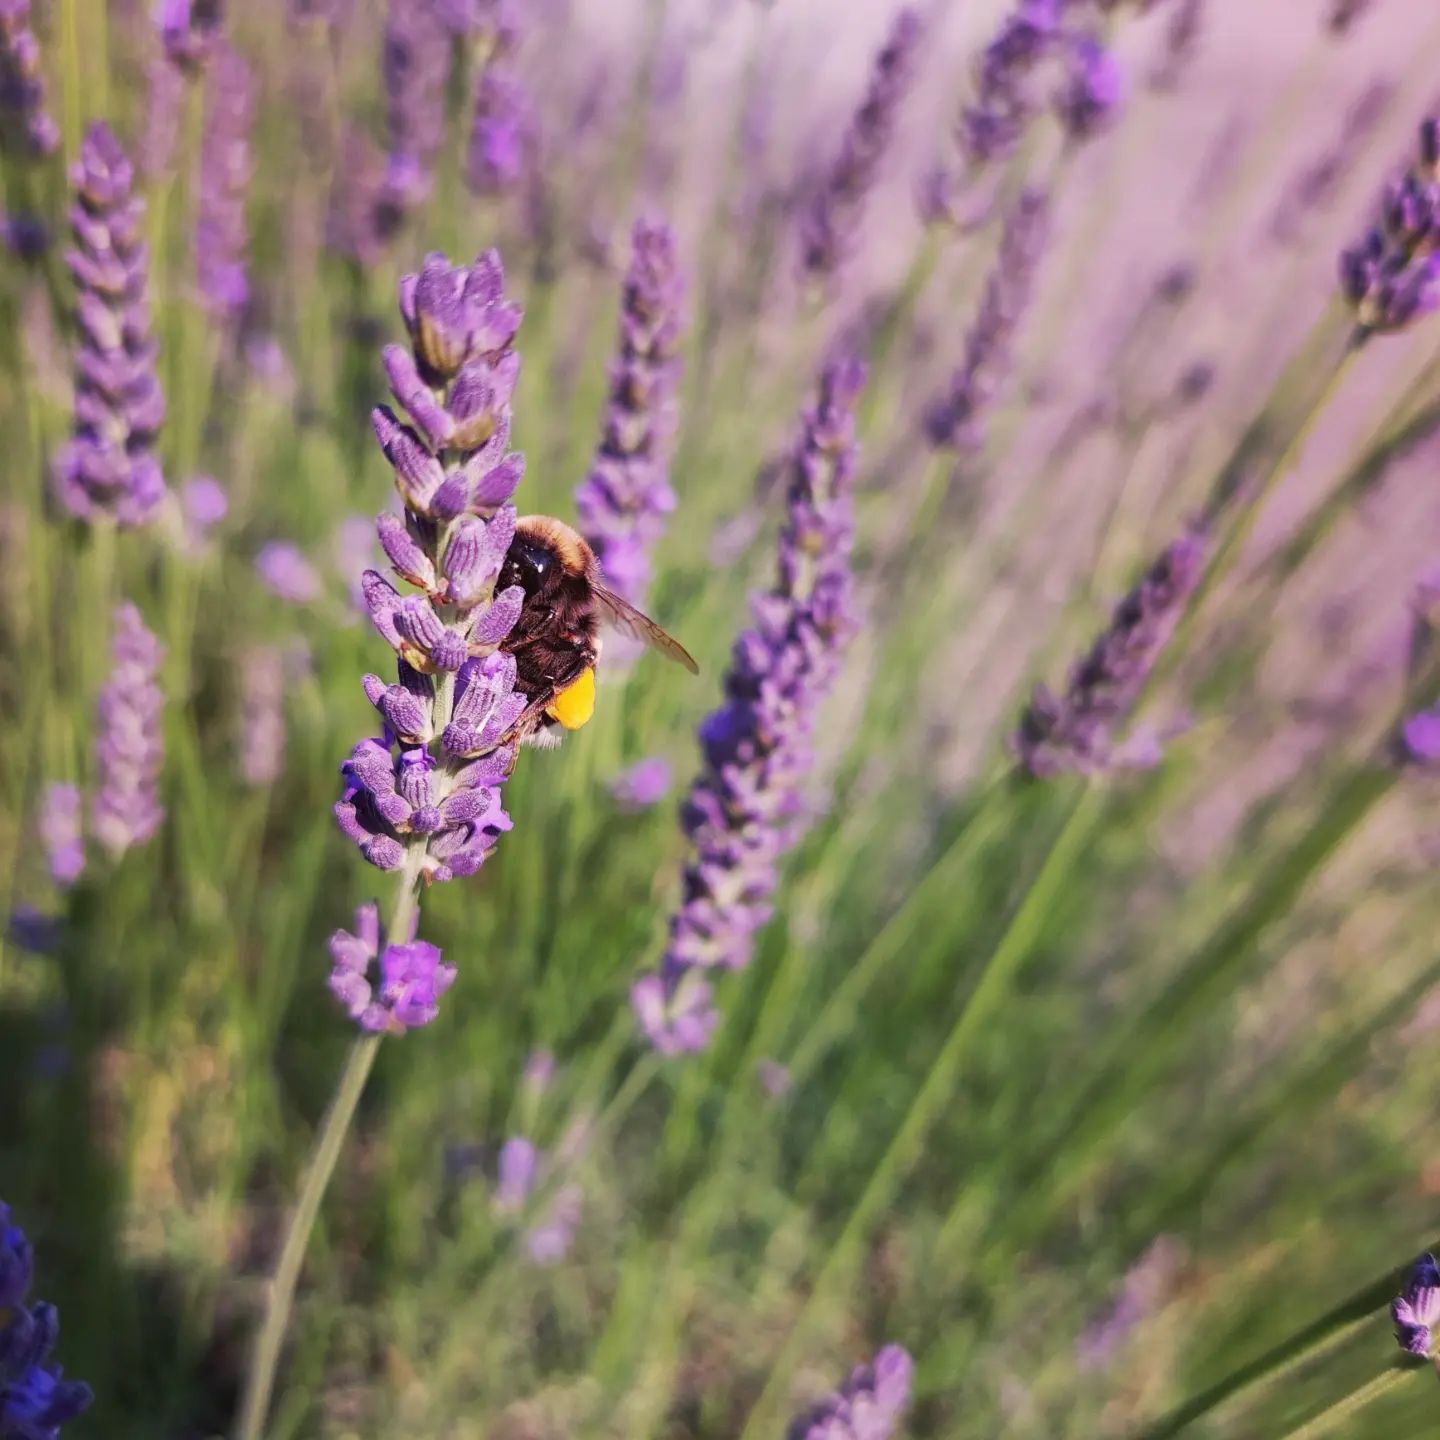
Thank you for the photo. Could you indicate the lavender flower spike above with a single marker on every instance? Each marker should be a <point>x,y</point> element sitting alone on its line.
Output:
<point>956,419</point>
<point>425,791</point>
<point>386,988</point>
<point>109,468</point>
<point>1393,276</point>
<point>1077,731</point>
<point>225,170</point>
<point>262,715</point>
<point>22,83</point>
<point>60,834</point>
<point>625,500</point>
<point>415,64</point>
<point>129,748</point>
<point>748,806</point>
<point>829,225</point>
<point>1416,1310</point>
<point>502,134</point>
<point>868,1406</point>
<point>36,1401</point>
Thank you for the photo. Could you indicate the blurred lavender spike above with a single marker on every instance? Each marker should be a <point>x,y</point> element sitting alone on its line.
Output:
<point>1392,277</point>
<point>1145,1288</point>
<point>165,91</point>
<point>189,31</point>
<point>109,468</point>
<point>36,1401</point>
<point>956,419</point>
<point>60,833</point>
<point>1092,91</point>
<point>828,227</point>
<point>262,715</point>
<point>22,81</point>
<point>1079,730</point>
<point>502,132</point>
<point>643,785</point>
<point>868,1406</point>
<point>432,777</point>
<point>129,746</point>
<point>748,806</point>
<point>626,499</point>
<point>1183,34</point>
<point>415,65</point>
<point>226,166</point>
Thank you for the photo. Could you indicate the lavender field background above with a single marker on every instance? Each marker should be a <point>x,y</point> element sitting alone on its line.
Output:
<point>850,1042</point>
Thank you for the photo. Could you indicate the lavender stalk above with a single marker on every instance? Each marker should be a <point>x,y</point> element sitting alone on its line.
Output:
<point>748,807</point>
<point>868,1406</point>
<point>415,63</point>
<point>626,499</point>
<point>129,747</point>
<point>22,82</point>
<point>226,166</point>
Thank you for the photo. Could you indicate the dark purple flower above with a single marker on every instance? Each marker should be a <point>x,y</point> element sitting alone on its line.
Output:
<point>60,834</point>
<point>1417,1308</point>
<point>428,785</point>
<point>386,988</point>
<point>1392,277</point>
<point>1078,731</point>
<point>26,237</point>
<point>36,1401</point>
<point>226,166</point>
<point>868,1406</point>
<point>502,134</point>
<point>642,785</point>
<point>22,81</point>
<point>956,419</point>
<point>749,805</point>
<point>189,30</point>
<point>109,468</point>
<point>287,573</point>
<point>626,499</point>
<point>130,744</point>
<point>829,225</point>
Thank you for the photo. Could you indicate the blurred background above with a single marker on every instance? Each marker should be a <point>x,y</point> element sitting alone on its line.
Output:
<point>1103,1091</point>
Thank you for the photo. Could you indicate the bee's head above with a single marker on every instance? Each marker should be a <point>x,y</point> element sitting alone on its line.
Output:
<point>527,563</point>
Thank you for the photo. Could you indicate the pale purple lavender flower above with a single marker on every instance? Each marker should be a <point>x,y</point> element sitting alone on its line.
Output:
<point>1393,276</point>
<point>189,30</point>
<point>226,167</point>
<point>36,1401</point>
<point>166,85</point>
<point>749,806</point>
<point>386,988</point>
<point>415,64</point>
<point>203,505</point>
<point>130,745</point>
<point>263,675</point>
<point>626,499</point>
<point>1143,1290</point>
<point>957,418</point>
<point>549,1241</point>
<point>1078,731</point>
<point>518,1171</point>
<point>502,133</point>
<point>828,227</point>
<point>22,81</point>
<point>61,835</point>
<point>431,779</point>
<point>1093,88</point>
<point>355,227</point>
<point>1416,1310</point>
<point>774,1077</point>
<point>109,468</point>
<point>1420,735</point>
<point>868,1406</point>
<point>642,785</point>
<point>285,571</point>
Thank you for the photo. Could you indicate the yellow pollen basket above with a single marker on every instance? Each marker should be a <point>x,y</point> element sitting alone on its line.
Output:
<point>575,704</point>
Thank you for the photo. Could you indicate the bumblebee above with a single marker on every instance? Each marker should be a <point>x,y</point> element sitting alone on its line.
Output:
<point>556,641</point>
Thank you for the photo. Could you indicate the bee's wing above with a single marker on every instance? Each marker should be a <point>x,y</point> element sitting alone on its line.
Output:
<point>625,618</point>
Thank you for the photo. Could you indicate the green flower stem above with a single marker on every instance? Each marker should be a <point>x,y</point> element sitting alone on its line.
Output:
<point>1329,1418</point>
<point>265,1357</point>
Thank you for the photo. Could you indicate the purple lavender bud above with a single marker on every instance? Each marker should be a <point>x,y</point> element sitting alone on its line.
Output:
<point>22,81</point>
<point>1078,731</point>
<point>36,1401</point>
<point>1416,1309</point>
<point>1093,88</point>
<point>129,747</point>
<point>749,806</point>
<point>626,499</point>
<point>203,505</point>
<point>517,1174</point>
<point>60,834</point>
<point>109,468</point>
<point>415,65</point>
<point>1392,277</point>
<point>189,31</point>
<point>502,135</point>
<point>957,418</point>
<point>226,167</point>
<point>1421,737</point>
<point>868,1406</point>
<point>286,572</point>
<point>644,785</point>
<point>993,124</point>
<point>262,715</point>
<point>828,228</point>
<point>402,992</point>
